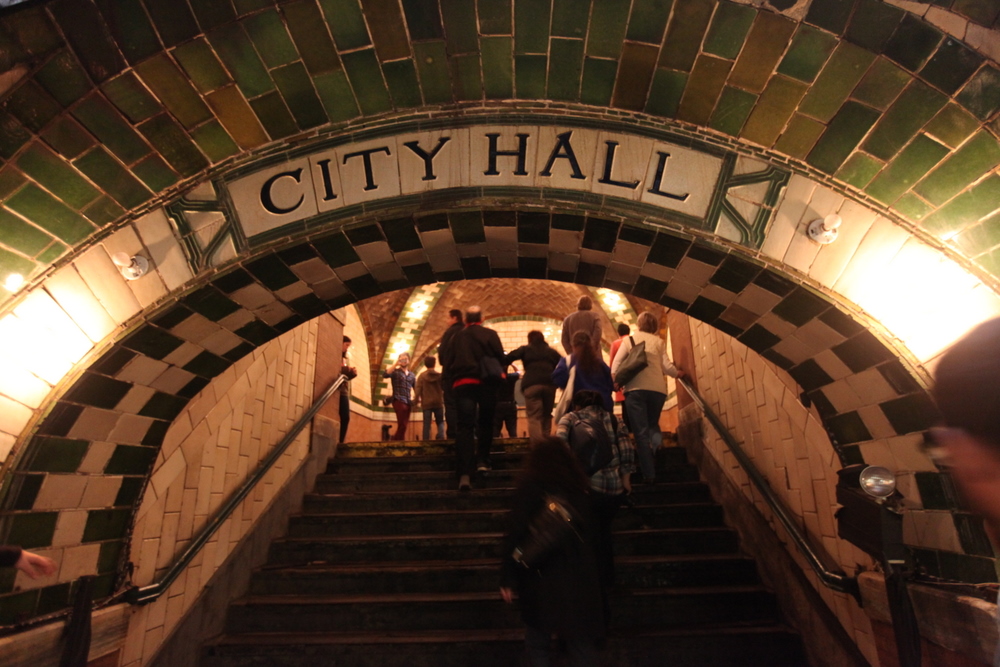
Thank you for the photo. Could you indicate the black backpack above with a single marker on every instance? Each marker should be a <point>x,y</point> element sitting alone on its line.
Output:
<point>591,442</point>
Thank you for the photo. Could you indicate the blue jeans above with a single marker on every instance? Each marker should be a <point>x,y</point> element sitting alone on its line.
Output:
<point>438,415</point>
<point>644,408</point>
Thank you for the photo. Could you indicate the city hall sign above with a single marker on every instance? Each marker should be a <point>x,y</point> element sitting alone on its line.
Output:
<point>698,185</point>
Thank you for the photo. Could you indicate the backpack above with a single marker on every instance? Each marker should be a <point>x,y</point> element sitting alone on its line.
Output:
<point>591,442</point>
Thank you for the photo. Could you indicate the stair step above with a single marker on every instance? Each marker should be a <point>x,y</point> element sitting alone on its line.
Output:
<point>416,463</point>
<point>758,646</point>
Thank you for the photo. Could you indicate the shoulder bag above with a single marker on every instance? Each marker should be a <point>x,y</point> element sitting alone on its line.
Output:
<point>562,407</point>
<point>633,363</point>
<point>551,529</point>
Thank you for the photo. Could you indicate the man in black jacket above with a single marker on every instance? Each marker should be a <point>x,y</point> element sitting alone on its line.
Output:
<point>450,413</point>
<point>462,358</point>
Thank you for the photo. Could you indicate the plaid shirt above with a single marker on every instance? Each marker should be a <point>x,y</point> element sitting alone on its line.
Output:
<point>609,479</point>
<point>402,384</point>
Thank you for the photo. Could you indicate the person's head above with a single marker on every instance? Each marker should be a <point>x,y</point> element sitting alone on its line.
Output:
<point>473,314</point>
<point>624,330</point>
<point>585,303</point>
<point>583,350</point>
<point>454,316</point>
<point>648,323</point>
<point>430,362</point>
<point>347,343</point>
<point>551,463</point>
<point>586,398</point>
<point>536,338</point>
<point>403,359</point>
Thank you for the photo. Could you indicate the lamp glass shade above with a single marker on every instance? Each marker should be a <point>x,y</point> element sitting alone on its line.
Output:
<point>878,481</point>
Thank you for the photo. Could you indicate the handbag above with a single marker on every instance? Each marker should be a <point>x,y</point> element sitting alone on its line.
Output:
<point>562,407</point>
<point>551,529</point>
<point>633,363</point>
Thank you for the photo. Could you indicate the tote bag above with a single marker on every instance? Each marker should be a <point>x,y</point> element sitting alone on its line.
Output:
<point>562,407</point>
<point>633,363</point>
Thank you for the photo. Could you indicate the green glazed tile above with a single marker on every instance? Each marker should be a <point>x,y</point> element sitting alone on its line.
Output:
<point>666,92</point>
<point>685,33</point>
<point>10,180</point>
<point>104,211</point>
<point>873,23</point>
<point>842,136</point>
<point>108,173</point>
<point>32,106</point>
<point>498,67</point>
<point>983,12</point>
<point>648,21</point>
<point>635,75</point>
<point>432,67</point>
<point>130,27</point>
<point>703,89</point>
<point>308,29</point>
<point>173,20</point>
<point>84,29</point>
<point>155,173</point>
<point>598,81</point>
<point>495,17</point>
<point>401,76</point>
<point>214,141</point>
<point>467,77</point>
<point>173,88</point>
<point>841,74</point>
<point>529,76</point>
<point>18,235</point>
<point>267,32</point>
<point>56,249</point>
<point>910,166</point>
<point>107,560</point>
<point>765,44</point>
<point>966,209</point>
<point>33,30</point>
<point>64,79</point>
<point>296,87</point>
<point>912,207</point>
<point>98,116</point>
<point>859,170</point>
<point>991,262</point>
<point>967,164</point>
<point>951,66</point>
<point>912,43</point>
<point>915,106</point>
<point>41,208</point>
<point>244,7</point>
<point>831,15</point>
<point>423,19</point>
<point>68,137</point>
<point>880,86</point>
<point>977,239</point>
<point>347,23</point>
<point>981,95</point>
<point>809,51</point>
<point>212,14</point>
<point>729,29</point>
<point>952,125</point>
<point>237,53</point>
<point>565,69</point>
<point>56,176</point>
<point>13,263</point>
<point>19,606</point>
<point>106,525</point>
<point>800,136</point>
<point>128,94</point>
<point>13,135</point>
<point>774,107</point>
<point>53,598</point>
<point>366,79</point>
<point>460,30</point>
<point>237,117</point>
<point>174,145</point>
<point>335,93</point>
<point>32,530</point>
<point>732,111</point>
<point>569,18</point>
<point>385,23</point>
<point>274,115</point>
<point>608,21</point>
<point>199,62</point>
<point>531,26</point>
<point>467,226</point>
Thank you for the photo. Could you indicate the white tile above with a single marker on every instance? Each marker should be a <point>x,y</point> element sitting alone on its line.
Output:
<point>802,250</point>
<point>833,258</point>
<point>252,296</point>
<point>107,284</point>
<point>879,246</point>
<point>506,165</point>
<point>449,161</point>
<point>13,417</point>
<point>164,249</point>
<point>101,492</point>
<point>786,218</point>
<point>142,370</point>
<point>148,289</point>
<point>94,424</point>
<point>130,429</point>
<point>97,457</point>
<point>60,492</point>
<point>72,294</point>
<point>374,253</point>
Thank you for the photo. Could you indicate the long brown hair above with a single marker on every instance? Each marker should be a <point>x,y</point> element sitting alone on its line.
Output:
<point>583,352</point>
<point>554,466</point>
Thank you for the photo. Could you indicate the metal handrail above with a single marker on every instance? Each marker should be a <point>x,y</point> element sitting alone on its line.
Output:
<point>837,580</point>
<point>146,594</point>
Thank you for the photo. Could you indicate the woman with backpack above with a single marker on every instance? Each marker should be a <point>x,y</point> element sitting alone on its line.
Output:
<point>588,429</point>
<point>591,371</point>
<point>646,393</point>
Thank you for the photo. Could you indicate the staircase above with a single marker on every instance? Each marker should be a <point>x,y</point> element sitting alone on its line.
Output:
<point>389,566</point>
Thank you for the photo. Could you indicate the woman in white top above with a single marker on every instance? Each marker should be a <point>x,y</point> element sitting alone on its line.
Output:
<point>646,393</point>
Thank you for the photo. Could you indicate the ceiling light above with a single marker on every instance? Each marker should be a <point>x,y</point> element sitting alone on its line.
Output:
<point>824,230</point>
<point>13,282</point>
<point>131,267</point>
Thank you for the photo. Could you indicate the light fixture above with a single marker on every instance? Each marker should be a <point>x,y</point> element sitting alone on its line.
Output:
<point>824,230</point>
<point>877,482</point>
<point>13,282</point>
<point>131,266</point>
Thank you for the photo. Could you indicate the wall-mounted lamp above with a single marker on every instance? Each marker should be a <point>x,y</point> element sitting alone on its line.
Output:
<point>131,267</point>
<point>824,230</point>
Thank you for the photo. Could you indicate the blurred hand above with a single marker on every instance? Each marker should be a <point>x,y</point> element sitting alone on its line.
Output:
<point>507,594</point>
<point>35,566</point>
